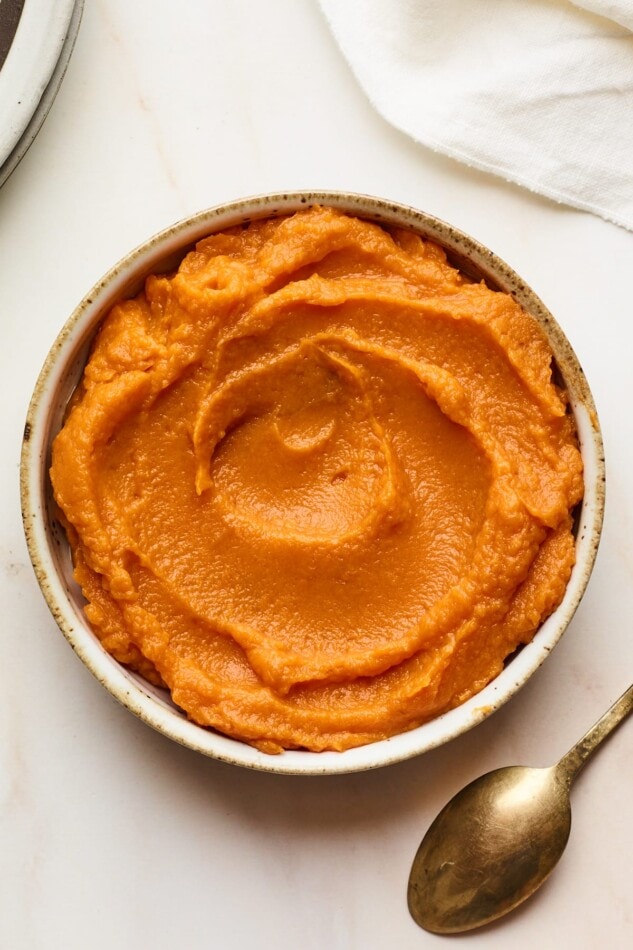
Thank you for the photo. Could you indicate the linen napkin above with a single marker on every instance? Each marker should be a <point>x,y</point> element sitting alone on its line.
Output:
<point>537,91</point>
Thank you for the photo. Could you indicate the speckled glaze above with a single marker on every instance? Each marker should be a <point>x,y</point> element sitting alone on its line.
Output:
<point>51,556</point>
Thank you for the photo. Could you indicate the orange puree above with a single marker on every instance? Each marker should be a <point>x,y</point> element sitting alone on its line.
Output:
<point>317,482</point>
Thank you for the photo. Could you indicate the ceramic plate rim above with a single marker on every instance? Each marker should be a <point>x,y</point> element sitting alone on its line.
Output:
<point>30,65</point>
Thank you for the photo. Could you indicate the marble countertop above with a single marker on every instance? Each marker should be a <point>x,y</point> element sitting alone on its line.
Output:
<point>113,836</point>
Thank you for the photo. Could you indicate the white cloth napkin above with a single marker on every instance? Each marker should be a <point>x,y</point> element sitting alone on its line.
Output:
<point>537,91</point>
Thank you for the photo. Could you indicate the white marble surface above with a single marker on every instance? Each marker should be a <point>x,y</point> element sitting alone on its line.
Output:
<point>112,836</point>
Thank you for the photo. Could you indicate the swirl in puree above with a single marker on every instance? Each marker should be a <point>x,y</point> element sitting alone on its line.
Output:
<point>317,483</point>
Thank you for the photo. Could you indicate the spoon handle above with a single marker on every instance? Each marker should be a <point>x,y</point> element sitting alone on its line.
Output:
<point>571,763</point>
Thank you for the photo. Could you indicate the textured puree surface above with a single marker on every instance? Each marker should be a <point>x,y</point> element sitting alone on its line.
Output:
<point>317,483</point>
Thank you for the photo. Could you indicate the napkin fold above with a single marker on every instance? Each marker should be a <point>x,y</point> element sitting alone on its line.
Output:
<point>537,91</point>
<point>619,10</point>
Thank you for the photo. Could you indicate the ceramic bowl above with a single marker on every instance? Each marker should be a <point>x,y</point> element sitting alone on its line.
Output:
<point>50,553</point>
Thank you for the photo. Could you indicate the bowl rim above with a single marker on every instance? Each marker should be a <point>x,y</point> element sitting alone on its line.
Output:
<point>124,277</point>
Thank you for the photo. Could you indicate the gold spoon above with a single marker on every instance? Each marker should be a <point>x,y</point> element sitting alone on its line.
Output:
<point>499,838</point>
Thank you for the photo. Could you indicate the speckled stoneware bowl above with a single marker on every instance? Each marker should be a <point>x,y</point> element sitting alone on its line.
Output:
<point>50,553</point>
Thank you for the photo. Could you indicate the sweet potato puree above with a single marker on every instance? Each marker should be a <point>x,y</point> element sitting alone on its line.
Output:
<point>317,482</point>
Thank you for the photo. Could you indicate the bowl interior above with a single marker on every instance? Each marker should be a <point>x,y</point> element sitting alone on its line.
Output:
<point>50,552</point>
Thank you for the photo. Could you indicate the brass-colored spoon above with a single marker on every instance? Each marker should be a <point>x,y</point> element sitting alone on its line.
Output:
<point>499,838</point>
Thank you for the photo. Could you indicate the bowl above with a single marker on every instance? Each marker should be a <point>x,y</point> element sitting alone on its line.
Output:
<point>50,552</point>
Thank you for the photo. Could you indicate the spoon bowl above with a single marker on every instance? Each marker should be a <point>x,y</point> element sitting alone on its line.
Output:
<point>516,820</point>
<point>499,838</point>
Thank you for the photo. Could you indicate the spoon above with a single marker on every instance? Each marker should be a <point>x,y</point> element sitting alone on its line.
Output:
<point>499,838</point>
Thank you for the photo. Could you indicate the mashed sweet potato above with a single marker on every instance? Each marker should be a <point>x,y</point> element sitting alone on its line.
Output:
<point>317,483</point>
